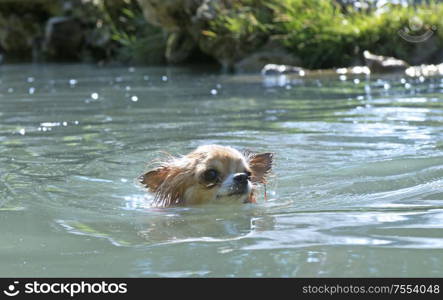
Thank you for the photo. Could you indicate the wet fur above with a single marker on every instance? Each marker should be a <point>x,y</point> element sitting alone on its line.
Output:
<point>175,181</point>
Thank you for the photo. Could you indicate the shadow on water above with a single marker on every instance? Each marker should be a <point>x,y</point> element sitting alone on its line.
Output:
<point>159,226</point>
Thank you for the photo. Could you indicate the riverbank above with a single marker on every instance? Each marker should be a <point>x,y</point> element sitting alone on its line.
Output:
<point>242,36</point>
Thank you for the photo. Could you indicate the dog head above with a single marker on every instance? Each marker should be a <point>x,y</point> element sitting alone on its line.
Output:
<point>211,173</point>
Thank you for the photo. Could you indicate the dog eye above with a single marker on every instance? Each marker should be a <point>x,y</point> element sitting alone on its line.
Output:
<point>210,175</point>
<point>248,173</point>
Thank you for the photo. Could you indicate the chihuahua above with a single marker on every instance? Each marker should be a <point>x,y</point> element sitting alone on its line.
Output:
<point>210,173</point>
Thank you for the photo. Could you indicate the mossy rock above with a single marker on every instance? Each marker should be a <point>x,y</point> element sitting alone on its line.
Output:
<point>21,26</point>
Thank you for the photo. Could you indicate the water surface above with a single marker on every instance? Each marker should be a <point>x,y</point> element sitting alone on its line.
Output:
<point>357,187</point>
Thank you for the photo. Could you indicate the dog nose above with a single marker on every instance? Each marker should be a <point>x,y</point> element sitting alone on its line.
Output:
<point>240,178</point>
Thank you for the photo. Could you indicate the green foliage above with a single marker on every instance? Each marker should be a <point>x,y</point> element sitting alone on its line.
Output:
<point>379,32</point>
<point>242,20</point>
<point>138,41</point>
<point>321,32</point>
<point>240,27</point>
<point>318,32</point>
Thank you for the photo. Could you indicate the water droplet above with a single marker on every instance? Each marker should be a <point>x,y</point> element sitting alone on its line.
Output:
<point>31,90</point>
<point>76,122</point>
<point>65,123</point>
<point>22,131</point>
<point>10,90</point>
<point>94,96</point>
<point>72,82</point>
<point>134,98</point>
<point>386,86</point>
<point>421,78</point>
<point>164,78</point>
<point>214,92</point>
<point>342,77</point>
<point>407,86</point>
<point>356,81</point>
<point>30,79</point>
<point>128,88</point>
<point>131,69</point>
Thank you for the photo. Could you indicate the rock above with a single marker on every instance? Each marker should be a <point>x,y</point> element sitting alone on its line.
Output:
<point>21,25</point>
<point>384,64</point>
<point>64,38</point>
<point>179,47</point>
<point>172,15</point>
<point>188,20</point>
<point>272,53</point>
<point>273,69</point>
<point>425,70</point>
<point>182,19</point>
<point>228,50</point>
<point>16,36</point>
<point>356,70</point>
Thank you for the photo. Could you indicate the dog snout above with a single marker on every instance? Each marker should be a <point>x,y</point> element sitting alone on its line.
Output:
<point>241,178</point>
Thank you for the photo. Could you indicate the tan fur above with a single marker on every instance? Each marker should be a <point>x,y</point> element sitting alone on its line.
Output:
<point>177,181</point>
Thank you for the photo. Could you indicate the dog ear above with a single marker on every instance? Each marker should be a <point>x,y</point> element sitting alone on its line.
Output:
<point>154,178</point>
<point>260,164</point>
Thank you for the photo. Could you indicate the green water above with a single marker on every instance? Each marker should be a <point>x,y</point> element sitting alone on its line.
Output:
<point>357,187</point>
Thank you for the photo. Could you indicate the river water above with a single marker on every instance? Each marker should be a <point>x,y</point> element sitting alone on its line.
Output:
<point>357,186</point>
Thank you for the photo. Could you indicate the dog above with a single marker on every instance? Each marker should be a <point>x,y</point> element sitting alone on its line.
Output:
<point>210,173</point>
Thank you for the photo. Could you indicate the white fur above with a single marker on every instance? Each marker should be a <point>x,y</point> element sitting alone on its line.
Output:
<point>227,188</point>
